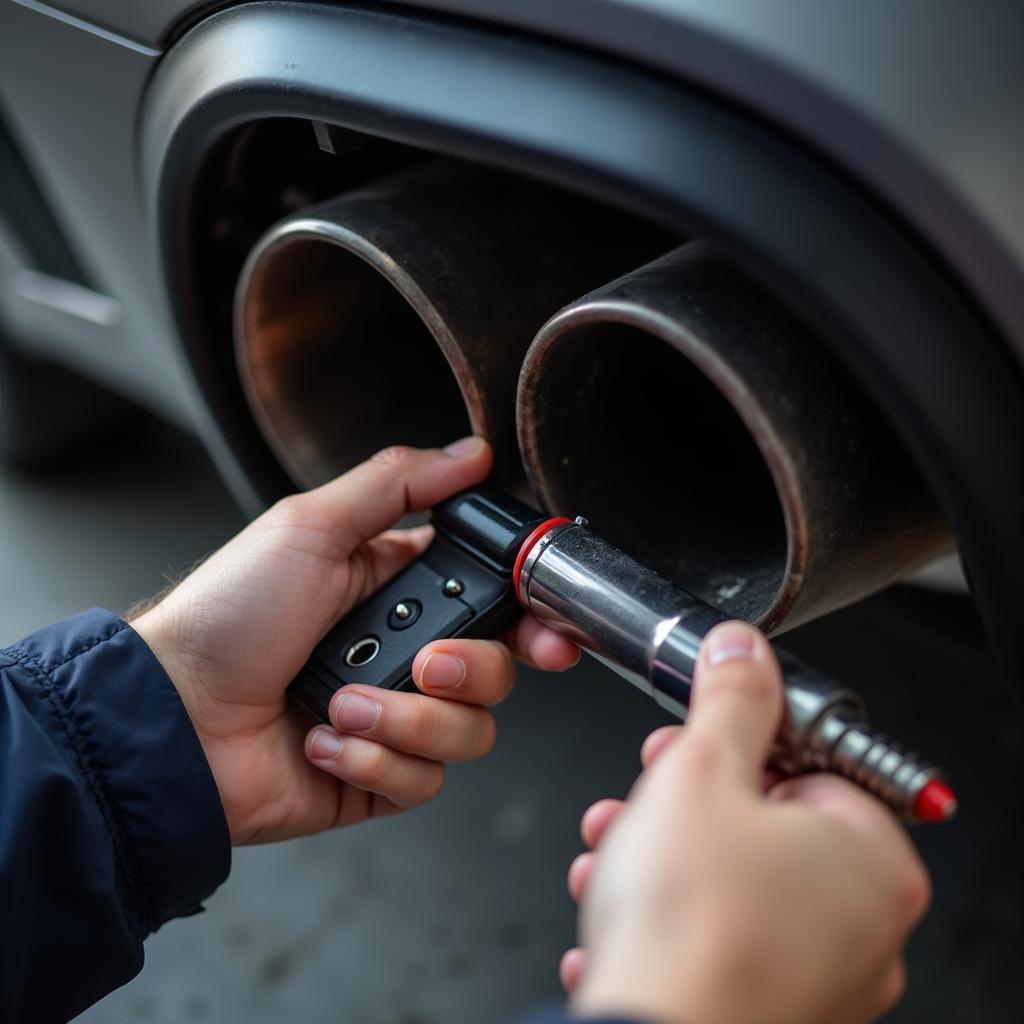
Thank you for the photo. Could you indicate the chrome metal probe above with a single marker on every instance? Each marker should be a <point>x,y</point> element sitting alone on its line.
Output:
<point>650,631</point>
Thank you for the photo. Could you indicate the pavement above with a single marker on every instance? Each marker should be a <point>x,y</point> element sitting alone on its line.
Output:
<point>457,912</point>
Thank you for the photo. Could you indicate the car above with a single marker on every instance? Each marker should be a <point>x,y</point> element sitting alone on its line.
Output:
<point>180,174</point>
<point>742,283</point>
<point>307,232</point>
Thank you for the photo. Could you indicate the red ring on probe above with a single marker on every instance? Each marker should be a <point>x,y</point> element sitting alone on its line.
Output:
<point>528,545</point>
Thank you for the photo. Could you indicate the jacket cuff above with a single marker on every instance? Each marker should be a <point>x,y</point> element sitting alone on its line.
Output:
<point>135,745</point>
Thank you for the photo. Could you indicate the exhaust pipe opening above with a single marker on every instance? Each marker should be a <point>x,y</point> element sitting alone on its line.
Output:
<point>324,330</point>
<point>701,426</point>
<point>657,458</point>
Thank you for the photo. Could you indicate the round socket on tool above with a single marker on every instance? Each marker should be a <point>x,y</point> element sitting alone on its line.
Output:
<point>702,428</point>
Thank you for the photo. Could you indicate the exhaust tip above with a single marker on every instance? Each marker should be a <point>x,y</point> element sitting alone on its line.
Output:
<point>701,427</point>
<point>323,319</point>
<point>655,456</point>
<point>399,312</point>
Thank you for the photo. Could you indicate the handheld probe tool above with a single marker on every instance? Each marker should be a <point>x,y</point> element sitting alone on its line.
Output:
<point>493,556</point>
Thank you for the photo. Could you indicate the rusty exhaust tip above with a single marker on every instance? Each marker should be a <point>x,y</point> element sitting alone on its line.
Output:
<point>699,426</point>
<point>399,313</point>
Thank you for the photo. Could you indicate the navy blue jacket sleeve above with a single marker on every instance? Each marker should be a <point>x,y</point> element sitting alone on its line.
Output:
<point>110,822</point>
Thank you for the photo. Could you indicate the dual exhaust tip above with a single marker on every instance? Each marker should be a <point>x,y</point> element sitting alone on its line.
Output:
<point>665,395</point>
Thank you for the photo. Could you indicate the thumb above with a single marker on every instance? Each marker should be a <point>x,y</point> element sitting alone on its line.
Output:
<point>374,495</point>
<point>737,700</point>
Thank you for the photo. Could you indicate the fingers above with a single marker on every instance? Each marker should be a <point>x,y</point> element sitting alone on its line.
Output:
<point>892,986</point>
<point>596,821</point>
<point>393,743</point>
<point>472,671</point>
<point>375,494</point>
<point>403,779</point>
<point>536,645</point>
<point>570,970</point>
<point>438,730</point>
<point>579,874</point>
<point>734,717</point>
<point>658,742</point>
<point>661,739</point>
<point>598,818</point>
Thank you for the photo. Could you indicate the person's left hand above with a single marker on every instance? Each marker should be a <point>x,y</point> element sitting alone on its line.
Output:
<point>236,631</point>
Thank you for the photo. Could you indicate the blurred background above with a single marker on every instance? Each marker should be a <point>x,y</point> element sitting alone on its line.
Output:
<point>457,911</point>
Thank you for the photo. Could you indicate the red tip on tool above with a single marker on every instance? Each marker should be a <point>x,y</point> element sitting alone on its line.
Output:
<point>935,803</point>
<point>527,547</point>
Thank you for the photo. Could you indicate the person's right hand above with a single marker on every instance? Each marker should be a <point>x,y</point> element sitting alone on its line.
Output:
<point>711,901</point>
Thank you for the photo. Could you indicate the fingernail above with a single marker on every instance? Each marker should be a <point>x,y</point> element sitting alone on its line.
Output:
<point>325,745</point>
<point>356,713</point>
<point>442,671</point>
<point>464,447</point>
<point>733,640</point>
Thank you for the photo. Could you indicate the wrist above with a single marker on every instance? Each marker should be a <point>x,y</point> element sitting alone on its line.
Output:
<point>603,1003</point>
<point>155,631</point>
<point>217,725</point>
<point>163,640</point>
<point>634,989</point>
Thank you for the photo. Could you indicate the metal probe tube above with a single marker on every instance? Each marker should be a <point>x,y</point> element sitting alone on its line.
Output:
<point>650,631</point>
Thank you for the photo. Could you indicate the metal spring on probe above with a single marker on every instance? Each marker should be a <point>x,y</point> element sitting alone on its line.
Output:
<point>881,766</point>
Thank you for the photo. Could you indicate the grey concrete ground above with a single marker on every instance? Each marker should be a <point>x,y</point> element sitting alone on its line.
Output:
<point>457,912</point>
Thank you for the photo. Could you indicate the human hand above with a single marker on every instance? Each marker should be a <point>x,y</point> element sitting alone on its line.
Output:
<point>716,897</point>
<point>235,632</point>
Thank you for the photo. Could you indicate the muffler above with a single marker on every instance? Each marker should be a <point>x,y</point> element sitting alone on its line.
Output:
<point>400,312</point>
<point>702,428</point>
